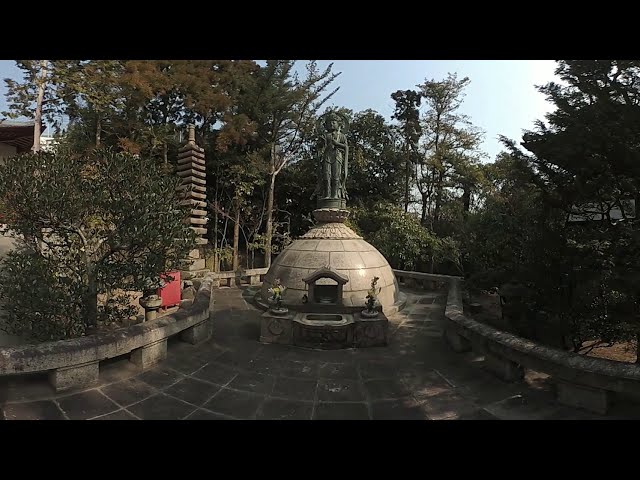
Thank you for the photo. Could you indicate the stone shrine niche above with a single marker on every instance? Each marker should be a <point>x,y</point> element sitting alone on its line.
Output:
<point>325,287</point>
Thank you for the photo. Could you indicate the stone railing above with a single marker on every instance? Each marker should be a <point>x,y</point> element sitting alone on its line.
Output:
<point>425,280</point>
<point>75,363</point>
<point>252,275</point>
<point>583,382</point>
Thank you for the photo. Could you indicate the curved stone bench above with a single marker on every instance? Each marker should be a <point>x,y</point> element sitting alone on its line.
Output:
<point>75,363</point>
<point>583,382</point>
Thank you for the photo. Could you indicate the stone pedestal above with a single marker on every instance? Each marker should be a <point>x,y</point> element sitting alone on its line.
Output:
<point>149,355</point>
<point>331,215</point>
<point>76,376</point>
<point>198,333</point>
<point>457,342</point>
<point>581,396</point>
<point>151,305</point>
<point>276,328</point>
<point>371,332</point>
<point>505,369</point>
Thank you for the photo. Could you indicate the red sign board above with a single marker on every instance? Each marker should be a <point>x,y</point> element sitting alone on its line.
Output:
<point>171,293</point>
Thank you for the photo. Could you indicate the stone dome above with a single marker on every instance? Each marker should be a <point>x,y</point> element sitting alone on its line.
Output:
<point>336,246</point>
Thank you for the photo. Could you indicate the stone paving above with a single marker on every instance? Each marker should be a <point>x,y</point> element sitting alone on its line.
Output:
<point>233,376</point>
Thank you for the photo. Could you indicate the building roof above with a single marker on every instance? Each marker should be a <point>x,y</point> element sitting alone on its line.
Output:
<point>17,133</point>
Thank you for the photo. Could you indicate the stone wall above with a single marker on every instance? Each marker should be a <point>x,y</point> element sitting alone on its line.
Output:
<point>583,382</point>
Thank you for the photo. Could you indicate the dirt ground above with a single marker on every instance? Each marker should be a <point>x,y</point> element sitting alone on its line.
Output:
<point>491,314</point>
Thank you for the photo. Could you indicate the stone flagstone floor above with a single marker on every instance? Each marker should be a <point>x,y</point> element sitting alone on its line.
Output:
<point>233,376</point>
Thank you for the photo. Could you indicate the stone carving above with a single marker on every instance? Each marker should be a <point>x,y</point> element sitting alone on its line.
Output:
<point>276,327</point>
<point>333,160</point>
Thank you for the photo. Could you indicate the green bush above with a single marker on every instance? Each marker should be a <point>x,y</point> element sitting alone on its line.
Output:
<point>88,225</point>
<point>41,297</point>
<point>402,239</point>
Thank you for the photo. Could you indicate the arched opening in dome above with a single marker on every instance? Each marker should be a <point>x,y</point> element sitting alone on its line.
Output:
<point>325,287</point>
<point>326,291</point>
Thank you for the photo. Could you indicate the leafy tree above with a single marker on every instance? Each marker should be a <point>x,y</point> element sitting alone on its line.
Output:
<point>111,221</point>
<point>400,237</point>
<point>587,163</point>
<point>450,145</point>
<point>511,238</point>
<point>35,97</point>
<point>408,114</point>
<point>91,89</point>
<point>376,165</point>
<point>284,109</point>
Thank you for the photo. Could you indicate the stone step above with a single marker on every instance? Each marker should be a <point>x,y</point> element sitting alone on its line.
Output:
<point>201,241</point>
<point>199,231</point>
<point>198,213</point>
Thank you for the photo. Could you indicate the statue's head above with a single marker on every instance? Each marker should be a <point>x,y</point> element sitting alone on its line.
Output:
<point>332,121</point>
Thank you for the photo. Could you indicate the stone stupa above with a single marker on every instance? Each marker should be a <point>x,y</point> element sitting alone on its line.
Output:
<point>331,267</point>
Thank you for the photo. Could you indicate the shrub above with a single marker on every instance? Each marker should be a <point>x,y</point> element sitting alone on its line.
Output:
<point>88,224</point>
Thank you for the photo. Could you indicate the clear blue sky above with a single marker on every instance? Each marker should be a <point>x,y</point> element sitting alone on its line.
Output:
<point>501,98</point>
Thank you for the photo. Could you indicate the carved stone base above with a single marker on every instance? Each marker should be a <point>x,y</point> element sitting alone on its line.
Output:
<point>330,215</point>
<point>275,328</point>
<point>325,331</point>
<point>328,335</point>
<point>371,332</point>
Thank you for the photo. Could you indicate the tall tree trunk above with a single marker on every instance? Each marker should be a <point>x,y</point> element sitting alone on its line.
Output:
<point>466,198</point>
<point>216,266</point>
<point>436,208</point>
<point>423,216</point>
<point>407,166</point>
<point>39,100</point>
<point>269,232</point>
<point>91,293</point>
<point>98,130</point>
<point>165,150</point>
<point>236,238</point>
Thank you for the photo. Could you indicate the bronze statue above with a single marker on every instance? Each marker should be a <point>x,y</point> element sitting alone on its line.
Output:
<point>333,160</point>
